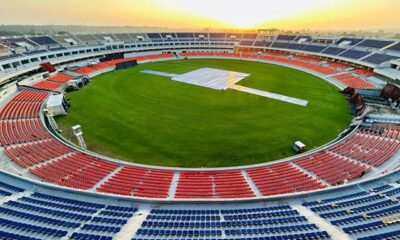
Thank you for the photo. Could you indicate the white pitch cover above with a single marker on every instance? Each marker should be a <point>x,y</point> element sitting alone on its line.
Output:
<point>211,78</point>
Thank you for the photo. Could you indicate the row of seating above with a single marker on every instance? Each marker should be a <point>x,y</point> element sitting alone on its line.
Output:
<point>44,216</point>
<point>246,223</point>
<point>369,147</point>
<point>31,229</point>
<point>48,85</point>
<point>320,235</point>
<point>323,162</point>
<point>338,65</point>
<point>18,131</point>
<point>18,110</point>
<point>186,223</point>
<point>215,184</point>
<point>60,78</point>
<point>282,178</point>
<point>352,81</point>
<point>387,235</point>
<point>76,170</point>
<point>52,41</point>
<point>269,230</point>
<point>141,182</point>
<point>55,215</point>
<point>30,96</point>
<point>363,72</point>
<point>86,70</point>
<point>7,189</point>
<point>362,213</point>
<point>36,152</point>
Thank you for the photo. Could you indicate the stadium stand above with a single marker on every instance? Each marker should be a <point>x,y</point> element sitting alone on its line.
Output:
<point>322,164</point>
<point>223,184</point>
<point>141,182</point>
<point>185,36</point>
<point>369,146</point>
<point>351,41</point>
<point>372,43</point>
<point>353,81</point>
<point>44,41</point>
<point>48,85</point>
<point>305,37</point>
<point>18,42</point>
<point>4,51</point>
<point>203,36</point>
<point>294,46</point>
<point>395,47</point>
<point>249,36</point>
<point>363,214</point>
<point>379,58</point>
<point>106,38</point>
<point>99,198</point>
<point>84,70</point>
<point>155,37</point>
<point>282,178</point>
<point>36,152</point>
<point>333,50</point>
<point>67,40</point>
<point>247,42</point>
<point>314,48</point>
<point>280,45</point>
<point>60,78</point>
<point>21,131</point>
<point>68,170</point>
<point>123,37</point>
<point>354,54</point>
<point>364,72</point>
<point>172,223</point>
<point>40,213</point>
<point>87,39</point>
<point>338,65</point>
<point>233,36</point>
<point>36,52</point>
<point>18,109</point>
<point>36,215</point>
<point>217,36</point>
<point>261,43</point>
<point>169,37</point>
<point>286,37</point>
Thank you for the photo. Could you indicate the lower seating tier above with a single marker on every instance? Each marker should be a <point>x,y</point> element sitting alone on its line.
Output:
<point>29,145</point>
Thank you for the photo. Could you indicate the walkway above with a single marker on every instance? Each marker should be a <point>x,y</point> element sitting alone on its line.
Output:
<point>322,224</point>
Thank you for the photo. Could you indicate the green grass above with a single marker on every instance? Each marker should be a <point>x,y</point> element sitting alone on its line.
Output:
<point>150,119</point>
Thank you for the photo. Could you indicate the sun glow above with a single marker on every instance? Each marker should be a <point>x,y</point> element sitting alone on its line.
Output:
<point>212,14</point>
<point>238,15</point>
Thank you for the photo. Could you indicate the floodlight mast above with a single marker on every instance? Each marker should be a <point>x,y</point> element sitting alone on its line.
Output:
<point>79,135</point>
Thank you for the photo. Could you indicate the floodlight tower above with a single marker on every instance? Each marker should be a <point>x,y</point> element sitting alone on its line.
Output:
<point>79,135</point>
<point>52,122</point>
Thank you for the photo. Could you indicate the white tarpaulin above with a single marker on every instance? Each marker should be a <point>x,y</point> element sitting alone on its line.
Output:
<point>211,78</point>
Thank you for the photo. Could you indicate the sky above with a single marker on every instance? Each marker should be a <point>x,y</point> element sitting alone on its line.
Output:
<point>198,14</point>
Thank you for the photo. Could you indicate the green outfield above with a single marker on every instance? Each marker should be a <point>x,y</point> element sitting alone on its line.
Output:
<point>150,119</point>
